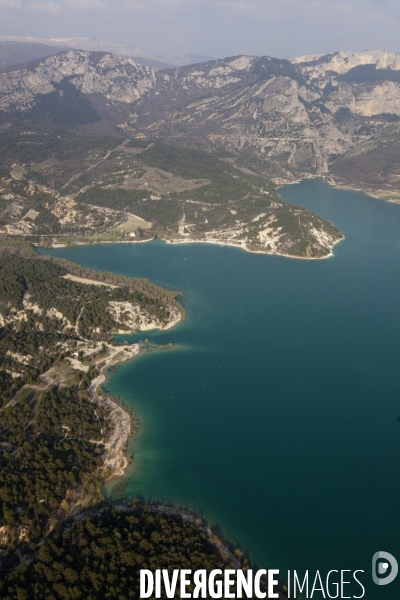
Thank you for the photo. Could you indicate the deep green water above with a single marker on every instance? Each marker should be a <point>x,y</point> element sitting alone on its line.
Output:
<point>293,447</point>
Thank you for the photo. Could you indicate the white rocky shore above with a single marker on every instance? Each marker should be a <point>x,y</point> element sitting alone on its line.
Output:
<point>120,420</point>
<point>115,459</point>
<point>323,238</point>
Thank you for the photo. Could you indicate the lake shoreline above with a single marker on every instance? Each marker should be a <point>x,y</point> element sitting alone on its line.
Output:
<point>244,247</point>
<point>377,194</point>
<point>220,243</point>
<point>117,460</point>
<point>116,446</point>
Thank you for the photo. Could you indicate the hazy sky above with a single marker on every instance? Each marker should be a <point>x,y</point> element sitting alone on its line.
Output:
<point>281,28</point>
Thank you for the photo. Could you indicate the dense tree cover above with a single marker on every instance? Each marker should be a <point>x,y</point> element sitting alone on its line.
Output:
<point>8,384</point>
<point>38,349</point>
<point>43,142</point>
<point>100,557</point>
<point>117,198</point>
<point>35,276</point>
<point>68,410</point>
<point>187,163</point>
<point>95,315</point>
<point>41,279</point>
<point>226,183</point>
<point>143,287</point>
<point>47,448</point>
<point>138,143</point>
<point>297,224</point>
<point>16,246</point>
<point>45,223</point>
<point>35,338</point>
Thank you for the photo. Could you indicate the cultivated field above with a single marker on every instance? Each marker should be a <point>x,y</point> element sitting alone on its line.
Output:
<point>31,214</point>
<point>17,172</point>
<point>132,223</point>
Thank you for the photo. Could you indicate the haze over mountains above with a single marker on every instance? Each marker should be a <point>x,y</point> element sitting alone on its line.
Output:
<point>30,48</point>
<point>316,115</point>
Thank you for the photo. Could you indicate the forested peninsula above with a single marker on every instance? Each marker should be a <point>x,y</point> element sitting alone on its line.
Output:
<point>60,437</point>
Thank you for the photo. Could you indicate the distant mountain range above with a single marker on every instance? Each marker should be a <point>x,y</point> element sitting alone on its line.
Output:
<point>331,115</point>
<point>17,53</point>
<point>16,50</point>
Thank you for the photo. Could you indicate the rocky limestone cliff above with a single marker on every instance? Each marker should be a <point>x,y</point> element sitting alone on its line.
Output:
<point>116,78</point>
<point>318,65</point>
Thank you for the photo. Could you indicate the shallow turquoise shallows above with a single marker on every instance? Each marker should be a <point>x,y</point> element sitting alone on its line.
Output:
<point>283,424</point>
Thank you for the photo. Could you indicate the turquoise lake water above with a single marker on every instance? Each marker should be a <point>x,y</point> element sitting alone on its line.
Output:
<point>293,447</point>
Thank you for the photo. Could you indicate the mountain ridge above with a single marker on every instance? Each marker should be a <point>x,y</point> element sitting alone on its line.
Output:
<point>286,119</point>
